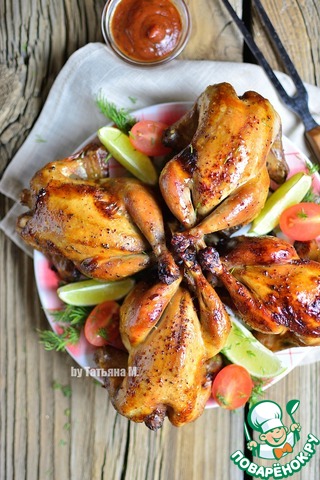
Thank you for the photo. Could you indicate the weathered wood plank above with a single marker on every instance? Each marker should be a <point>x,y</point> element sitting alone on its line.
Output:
<point>297,24</point>
<point>213,36</point>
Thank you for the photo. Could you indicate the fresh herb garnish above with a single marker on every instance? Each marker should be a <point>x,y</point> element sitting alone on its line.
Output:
<point>54,341</point>
<point>119,116</point>
<point>103,333</point>
<point>65,389</point>
<point>257,392</point>
<point>312,168</point>
<point>302,214</point>
<point>71,314</point>
<point>311,197</point>
<point>72,319</point>
<point>222,400</point>
<point>39,139</point>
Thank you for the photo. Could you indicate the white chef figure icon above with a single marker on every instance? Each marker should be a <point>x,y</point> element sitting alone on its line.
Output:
<point>266,417</point>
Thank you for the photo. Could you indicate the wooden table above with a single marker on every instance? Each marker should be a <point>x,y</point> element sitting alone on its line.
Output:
<point>74,432</point>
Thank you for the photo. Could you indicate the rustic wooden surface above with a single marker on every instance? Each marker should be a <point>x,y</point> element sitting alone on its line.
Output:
<point>49,433</point>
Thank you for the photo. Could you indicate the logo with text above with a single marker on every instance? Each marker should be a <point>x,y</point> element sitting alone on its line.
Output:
<point>275,441</point>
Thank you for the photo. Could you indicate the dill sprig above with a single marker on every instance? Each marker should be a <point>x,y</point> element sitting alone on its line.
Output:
<point>119,116</point>
<point>66,390</point>
<point>71,314</point>
<point>257,392</point>
<point>54,341</point>
<point>312,197</point>
<point>71,319</point>
<point>312,168</point>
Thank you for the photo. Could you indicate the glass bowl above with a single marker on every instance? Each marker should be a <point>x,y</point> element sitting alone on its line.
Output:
<point>144,27</point>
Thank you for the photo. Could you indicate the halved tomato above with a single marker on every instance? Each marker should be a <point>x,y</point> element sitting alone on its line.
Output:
<point>102,325</point>
<point>146,136</point>
<point>301,221</point>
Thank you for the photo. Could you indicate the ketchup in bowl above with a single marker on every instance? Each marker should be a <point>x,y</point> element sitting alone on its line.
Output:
<point>146,31</point>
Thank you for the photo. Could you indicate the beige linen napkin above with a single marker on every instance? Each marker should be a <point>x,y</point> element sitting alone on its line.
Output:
<point>70,114</point>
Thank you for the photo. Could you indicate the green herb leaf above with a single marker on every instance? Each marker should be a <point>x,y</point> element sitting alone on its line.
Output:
<point>311,197</point>
<point>39,139</point>
<point>74,315</point>
<point>52,341</point>
<point>302,214</point>
<point>65,389</point>
<point>257,392</point>
<point>312,168</point>
<point>119,116</point>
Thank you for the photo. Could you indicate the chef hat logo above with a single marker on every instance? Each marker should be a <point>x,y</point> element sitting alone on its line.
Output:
<point>265,416</point>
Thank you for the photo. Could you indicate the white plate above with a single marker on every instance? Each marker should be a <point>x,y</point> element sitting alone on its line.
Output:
<point>48,281</point>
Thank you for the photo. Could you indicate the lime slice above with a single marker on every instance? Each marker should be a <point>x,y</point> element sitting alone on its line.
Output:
<point>242,348</point>
<point>137,163</point>
<point>289,193</point>
<point>92,292</point>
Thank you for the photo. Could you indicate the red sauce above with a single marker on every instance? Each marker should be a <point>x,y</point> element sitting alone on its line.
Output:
<point>146,30</point>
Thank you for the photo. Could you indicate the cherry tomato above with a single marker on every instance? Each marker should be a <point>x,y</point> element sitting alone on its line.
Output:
<point>146,136</point>
<point>102,325</point>
<point>232,387</point>
<point>301,222</point>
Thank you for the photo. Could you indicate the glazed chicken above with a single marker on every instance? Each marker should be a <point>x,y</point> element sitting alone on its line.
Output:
<point>172,342</point>
<point>273,290</point>
<point>309,250</point>
<point>220,178</point>
<point>105,226</point>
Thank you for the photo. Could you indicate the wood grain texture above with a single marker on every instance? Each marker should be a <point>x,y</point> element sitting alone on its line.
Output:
<point>297,24</point>
<point>45,434</point>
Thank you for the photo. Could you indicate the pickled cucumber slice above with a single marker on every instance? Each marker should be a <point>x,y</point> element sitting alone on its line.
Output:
<point>290,193</point>
<point>119,146</point>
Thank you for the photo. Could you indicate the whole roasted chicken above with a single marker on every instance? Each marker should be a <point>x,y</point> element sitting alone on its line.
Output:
<point>273,290</point>
<point>108,228</point>
<point>220,177</point>
<point>172,342</point>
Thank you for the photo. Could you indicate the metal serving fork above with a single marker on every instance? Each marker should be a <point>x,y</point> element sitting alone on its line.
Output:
<point>299,101</point>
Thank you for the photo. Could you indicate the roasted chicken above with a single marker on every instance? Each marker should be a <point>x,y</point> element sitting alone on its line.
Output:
<point>108,228</point>
<point>172,340</point>
<point>309,250</point>
<point>273,290</point>
<point>220,178</point>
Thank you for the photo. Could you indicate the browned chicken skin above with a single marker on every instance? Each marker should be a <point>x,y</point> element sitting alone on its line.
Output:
<point>105,226</point>
<point>273,290</point>
<point>220,179</point>
<point>171,346</point>
<point>309,250</point>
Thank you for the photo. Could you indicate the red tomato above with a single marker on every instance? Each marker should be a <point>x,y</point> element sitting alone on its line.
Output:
<point>102,325</point>
<point>146,136</point>
<point>301,222</point>
<point>232,387</point>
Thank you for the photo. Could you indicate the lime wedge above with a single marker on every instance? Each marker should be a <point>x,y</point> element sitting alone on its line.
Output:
<point>289,193</point>
<point>92,292</point>
<point>137,163</point>
<point>242,348</point>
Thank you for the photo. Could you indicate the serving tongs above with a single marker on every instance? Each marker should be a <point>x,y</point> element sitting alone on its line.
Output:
<point>298,103</point>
